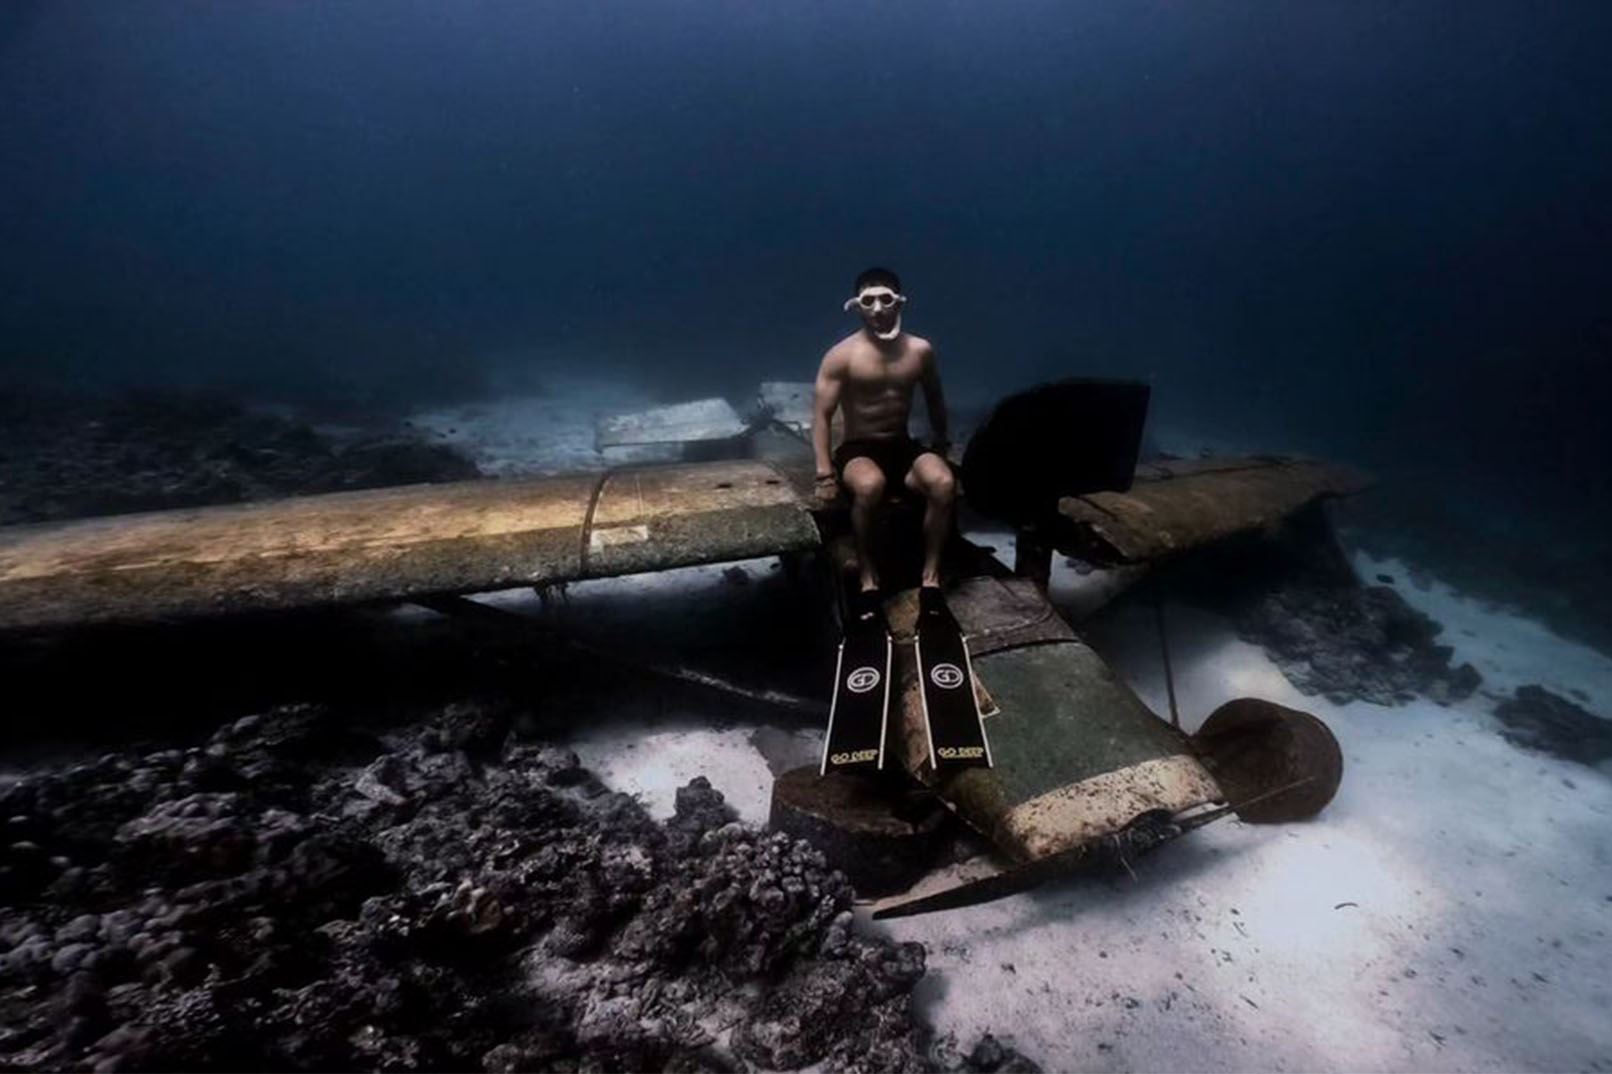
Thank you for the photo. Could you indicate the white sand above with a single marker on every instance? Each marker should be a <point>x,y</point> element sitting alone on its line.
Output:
<point>1449,910</point>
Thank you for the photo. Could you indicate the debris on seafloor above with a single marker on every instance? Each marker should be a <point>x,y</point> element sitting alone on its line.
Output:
<point>988,1056</point>
<point>465,900</point>
<point>787,402</point>
<point>680,423</point>
<point>1540,720</point>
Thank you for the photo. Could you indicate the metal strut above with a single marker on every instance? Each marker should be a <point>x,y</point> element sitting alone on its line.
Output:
<point>1164,650</point>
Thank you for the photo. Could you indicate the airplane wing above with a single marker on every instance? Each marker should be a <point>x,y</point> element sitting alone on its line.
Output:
<point>1176,506</point>
<point>396,543</point>
<point>466,537</point>
<point>1061,462</point>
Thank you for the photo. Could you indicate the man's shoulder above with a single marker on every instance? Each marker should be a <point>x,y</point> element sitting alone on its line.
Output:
<point>843,350</point>
<point>919,348</point>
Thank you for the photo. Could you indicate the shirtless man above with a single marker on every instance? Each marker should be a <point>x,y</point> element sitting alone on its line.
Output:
<point>870,375</point>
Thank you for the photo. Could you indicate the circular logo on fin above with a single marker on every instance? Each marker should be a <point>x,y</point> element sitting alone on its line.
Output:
<point>946,676</point>
<point>862,680</point>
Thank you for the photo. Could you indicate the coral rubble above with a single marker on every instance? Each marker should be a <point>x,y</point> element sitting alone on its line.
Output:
<point>297,894</point>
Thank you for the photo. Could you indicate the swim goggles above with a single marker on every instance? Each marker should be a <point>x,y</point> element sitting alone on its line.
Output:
<point>875,298</point>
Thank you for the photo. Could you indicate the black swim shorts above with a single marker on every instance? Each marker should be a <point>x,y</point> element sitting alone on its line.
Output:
<point>894,455</point>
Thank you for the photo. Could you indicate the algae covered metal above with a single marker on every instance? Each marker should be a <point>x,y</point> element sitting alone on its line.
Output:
<point>1175,506</point>
<point>1078,755</point>
<point>396,543</point>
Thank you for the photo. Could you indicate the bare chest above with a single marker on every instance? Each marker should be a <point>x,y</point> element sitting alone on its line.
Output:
<point>873,374</point>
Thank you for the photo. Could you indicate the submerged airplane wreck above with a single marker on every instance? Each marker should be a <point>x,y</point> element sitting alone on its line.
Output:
<point>1084,771</point>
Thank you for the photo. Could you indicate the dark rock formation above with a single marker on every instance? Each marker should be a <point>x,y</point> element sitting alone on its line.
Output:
<point>1540,720</point>
<point>1352,643</point>
<point>988,1056</point>
<point>1290,589</point>
<point>295,894</point>
<point>70,456</point>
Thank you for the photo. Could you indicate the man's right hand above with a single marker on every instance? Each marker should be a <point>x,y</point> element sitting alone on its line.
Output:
<point>827,488</point>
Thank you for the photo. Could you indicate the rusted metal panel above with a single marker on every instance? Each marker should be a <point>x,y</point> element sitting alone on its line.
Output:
<point>994,612</point>
<point>394,543</point>
<point>1078,755</point>
<point>652,518</point>
<point>1173,507</point>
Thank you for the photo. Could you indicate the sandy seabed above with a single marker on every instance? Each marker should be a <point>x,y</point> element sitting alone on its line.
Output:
<point>1450,910</point>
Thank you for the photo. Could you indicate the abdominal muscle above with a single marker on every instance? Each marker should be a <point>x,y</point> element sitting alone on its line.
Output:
<point>876,413</point>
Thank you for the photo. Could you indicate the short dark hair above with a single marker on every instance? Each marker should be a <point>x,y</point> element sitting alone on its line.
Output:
<point>877,277</point>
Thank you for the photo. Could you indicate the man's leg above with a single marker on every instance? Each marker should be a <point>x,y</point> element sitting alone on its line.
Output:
<point>932,477</point>
<point>864,481</point>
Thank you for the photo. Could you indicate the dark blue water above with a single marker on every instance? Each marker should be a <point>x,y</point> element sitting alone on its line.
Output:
<point>1377,230</point>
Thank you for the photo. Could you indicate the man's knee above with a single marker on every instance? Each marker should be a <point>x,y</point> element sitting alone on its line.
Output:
<point>865,483</point>
<point>934,478</point>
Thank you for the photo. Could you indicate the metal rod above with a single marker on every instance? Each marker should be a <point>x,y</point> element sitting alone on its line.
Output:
<point>504,618</point>
<point>1164,649</point>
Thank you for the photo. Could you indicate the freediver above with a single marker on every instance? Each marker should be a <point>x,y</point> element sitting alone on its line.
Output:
<point>869,376</point>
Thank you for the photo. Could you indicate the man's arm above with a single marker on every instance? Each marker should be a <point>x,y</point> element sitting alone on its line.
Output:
<point>825,399</point>
<point>935,400</point>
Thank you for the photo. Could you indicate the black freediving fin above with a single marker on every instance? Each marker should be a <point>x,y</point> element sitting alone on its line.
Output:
<point>857,715</point>
<point>950,703</point>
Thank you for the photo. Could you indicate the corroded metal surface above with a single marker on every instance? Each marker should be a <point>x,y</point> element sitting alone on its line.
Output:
<point>1253,746</point>
<point>879,835</point>
<point>1078,755</point>
<point>394,543</point>
<point>1102,805</point>
<point>1176,506</point>
<point>995,613</point>
<point>652,518</point>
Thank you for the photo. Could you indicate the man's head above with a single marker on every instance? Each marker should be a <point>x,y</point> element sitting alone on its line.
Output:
<point>878,301</point>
